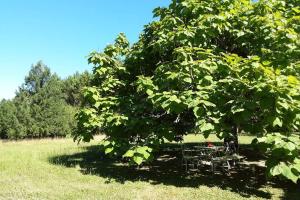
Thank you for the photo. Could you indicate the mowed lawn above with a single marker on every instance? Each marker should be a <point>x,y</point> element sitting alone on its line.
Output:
<point>61,169</point>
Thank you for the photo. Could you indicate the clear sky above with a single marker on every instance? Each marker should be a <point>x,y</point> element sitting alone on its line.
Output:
<point>62,33</point>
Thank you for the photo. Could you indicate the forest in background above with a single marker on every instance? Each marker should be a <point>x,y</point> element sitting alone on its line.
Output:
<point>44,105</point>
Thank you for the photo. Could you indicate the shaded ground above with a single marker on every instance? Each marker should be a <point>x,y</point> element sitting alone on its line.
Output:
<point>166,169</point>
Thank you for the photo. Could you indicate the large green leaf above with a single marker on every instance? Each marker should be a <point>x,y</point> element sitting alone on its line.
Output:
<point>138,160</point>
<point>277,122</point>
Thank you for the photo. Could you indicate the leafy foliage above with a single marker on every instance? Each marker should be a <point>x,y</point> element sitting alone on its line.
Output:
<point>214,66</point>
<point>72,87</point>
<point>283,153</point>
<point>10,126</point>
<point>44,105</point>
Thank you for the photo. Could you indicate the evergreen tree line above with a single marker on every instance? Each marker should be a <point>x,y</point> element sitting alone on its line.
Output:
<point>44,105</point>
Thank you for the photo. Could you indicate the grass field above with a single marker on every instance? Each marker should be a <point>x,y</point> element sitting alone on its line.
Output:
<point>59,169</point>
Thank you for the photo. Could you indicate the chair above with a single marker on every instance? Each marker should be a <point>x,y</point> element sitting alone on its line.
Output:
<point>189,158</point>
<point>204,155</point>
<point>227,161</point>
<point>220,161</point>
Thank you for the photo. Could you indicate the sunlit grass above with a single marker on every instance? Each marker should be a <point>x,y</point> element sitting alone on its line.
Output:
<point>213,138</point>
<point>27,173</point>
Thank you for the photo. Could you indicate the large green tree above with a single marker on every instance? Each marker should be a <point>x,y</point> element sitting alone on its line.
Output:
<point>37,78</point>
<point>40,108</point>
<point>10,126</point>
<point>73,85</point>
<point>42,92</point>
<point>214,66</point>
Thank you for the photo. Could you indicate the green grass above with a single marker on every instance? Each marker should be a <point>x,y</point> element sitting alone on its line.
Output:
<point>213,138</point>
<point>59,169</point>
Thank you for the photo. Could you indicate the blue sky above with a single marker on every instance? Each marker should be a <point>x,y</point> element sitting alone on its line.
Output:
<point>62,33</point>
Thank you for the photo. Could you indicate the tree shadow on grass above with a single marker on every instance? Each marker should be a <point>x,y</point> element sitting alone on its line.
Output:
<point>167,170</point>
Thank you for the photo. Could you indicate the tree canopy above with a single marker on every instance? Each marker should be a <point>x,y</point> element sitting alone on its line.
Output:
<point>217,66</point>
<point>44,105</point>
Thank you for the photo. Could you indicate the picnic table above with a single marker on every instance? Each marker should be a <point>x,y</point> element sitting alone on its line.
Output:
<point>213,156</point>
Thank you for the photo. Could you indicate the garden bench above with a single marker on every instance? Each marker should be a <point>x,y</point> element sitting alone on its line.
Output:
<point>226,162</point>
